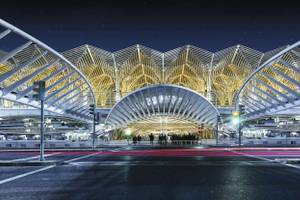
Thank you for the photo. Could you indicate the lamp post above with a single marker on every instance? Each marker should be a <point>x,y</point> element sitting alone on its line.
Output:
<point>236,119</point>
<point>92,111</point>
<point>217,129</point>
<point>39,89</point>
<point>128,133</point>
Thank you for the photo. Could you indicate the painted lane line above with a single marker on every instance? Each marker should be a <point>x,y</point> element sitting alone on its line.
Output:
<point>252,156</point>
<point>88,163</point>
<point>25,174</point>
<point>82,157</point>
<point>286,159</point>
<point>34,157</point>
<point>293,166</point>
<point>269,160</point>
<point>42,169</point>
<point>119,149</point>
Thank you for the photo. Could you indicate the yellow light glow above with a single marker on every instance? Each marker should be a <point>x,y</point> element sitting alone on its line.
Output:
<point>235,113</point>
<point>128,131</point>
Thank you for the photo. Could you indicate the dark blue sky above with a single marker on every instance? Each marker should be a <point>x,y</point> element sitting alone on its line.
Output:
<point>162,25</point>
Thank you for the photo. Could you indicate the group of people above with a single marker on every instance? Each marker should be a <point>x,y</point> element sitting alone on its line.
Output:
<point>163,139</point>
<point>184,139</point>
<point>166,138</point>
<point>136,139</point>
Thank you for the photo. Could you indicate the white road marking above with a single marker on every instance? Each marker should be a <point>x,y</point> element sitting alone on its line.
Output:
<point>290,165</point>
<point>34,157</point>
<point>82,157</point>
<point>118,149</point>
<point>267,159</point>
<point>42,169</point>
<point>25,174</point>
<point>102,163</point>
<point>287,159</point>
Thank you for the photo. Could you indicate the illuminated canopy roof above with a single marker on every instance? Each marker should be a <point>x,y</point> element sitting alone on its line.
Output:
<point>216,75</point>
<point>212,78</point>
<point>68,92</point>
<point>274,86</point>
<point>156,101</point>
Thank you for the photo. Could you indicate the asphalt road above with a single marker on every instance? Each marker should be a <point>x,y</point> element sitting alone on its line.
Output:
<point>158,174</point>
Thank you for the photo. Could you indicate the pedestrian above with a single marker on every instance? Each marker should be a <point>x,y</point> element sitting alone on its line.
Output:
<point>151,137</point>
<point>159,138</point>
<point>134,139</point>
<point>139,138</point>
<point>164,139</point>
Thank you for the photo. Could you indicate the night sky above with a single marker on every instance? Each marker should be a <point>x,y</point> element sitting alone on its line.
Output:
<point>162,25</point>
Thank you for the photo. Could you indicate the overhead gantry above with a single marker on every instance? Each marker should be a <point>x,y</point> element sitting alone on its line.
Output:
<point>274,86</point>
<point>160,105</point>
<point>25,60</point>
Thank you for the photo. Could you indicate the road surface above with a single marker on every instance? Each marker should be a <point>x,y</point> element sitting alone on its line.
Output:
<point>154,173</point>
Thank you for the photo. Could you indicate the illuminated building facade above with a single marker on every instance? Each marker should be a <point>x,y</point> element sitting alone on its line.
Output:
<point>171,84</point>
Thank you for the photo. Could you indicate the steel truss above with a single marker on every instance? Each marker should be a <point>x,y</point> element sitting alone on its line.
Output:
<point>274,86</point>
<point>67,89</point>
<point>218,75</point>
<point>158,101</point>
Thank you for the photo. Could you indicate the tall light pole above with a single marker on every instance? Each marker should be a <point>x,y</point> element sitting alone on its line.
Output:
<point>39,94</point>
<point>242,112</point>
<point>92,111</point>
<point>128,133</point>
<point>217,129</point>
<point>238,121</point>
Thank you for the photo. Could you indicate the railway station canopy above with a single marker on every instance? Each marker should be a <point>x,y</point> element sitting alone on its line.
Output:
<point>140,85</point>
<point>216,75</point>
<point>163,107</point>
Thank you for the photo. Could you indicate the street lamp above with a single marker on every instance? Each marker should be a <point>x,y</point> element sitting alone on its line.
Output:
<point>235,118</point>
<point>39,90</point>
<point>128,133</point>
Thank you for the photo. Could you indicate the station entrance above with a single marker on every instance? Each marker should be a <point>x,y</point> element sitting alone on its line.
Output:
<point>163,109</point>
